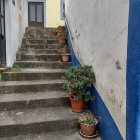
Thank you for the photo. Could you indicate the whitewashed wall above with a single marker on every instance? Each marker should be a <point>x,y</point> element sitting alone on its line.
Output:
<point>100,33</point>
<point>15,18</point>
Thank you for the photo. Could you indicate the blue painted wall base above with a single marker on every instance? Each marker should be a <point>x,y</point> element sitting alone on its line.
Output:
<point>107,127</point>
<point>133,72</point>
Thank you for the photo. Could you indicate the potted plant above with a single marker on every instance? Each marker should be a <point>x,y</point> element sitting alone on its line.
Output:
<point>59,30</point>
<point>65,54</point>
<point>62,38</point>
<point>88,124</point>
<point>79,78</point>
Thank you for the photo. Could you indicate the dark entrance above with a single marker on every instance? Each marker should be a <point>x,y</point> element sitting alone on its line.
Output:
<point>2,34</point>
<point>36,14</point>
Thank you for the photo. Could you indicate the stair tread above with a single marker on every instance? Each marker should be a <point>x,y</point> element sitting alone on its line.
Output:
<point>39,39</point>
<point>58,135</point>
<point>30,116</point>
<point>44,62</point>
<point>38,49</point>
<point>33,70</point>
<point>45,44</point>
<point>34,82</point>
<point>14,97</point>
<point>26,54</point>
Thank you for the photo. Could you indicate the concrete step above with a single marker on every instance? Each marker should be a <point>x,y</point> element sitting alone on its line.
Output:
<point>42,64</point>
<point>34,121</point>
<point>58,135</point>
<point>33,100</point>
<point>41,29</point>
<point>30,86</point>
<point>33,74</point>
<point>38,57</point>
<point>39,41</point>
<point>40,46</point>
<point>38,51</point>
<point>40,36</point>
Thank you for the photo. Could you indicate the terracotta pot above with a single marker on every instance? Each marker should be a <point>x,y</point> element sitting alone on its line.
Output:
<point>77,105</point>
<point>62,40</point>
<point>65,58</point>
<point>88,130</point>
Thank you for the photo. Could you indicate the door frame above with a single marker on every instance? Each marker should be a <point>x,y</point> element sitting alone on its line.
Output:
<point>4,36</point>
<point>27,19</point>
<point>29,22</point>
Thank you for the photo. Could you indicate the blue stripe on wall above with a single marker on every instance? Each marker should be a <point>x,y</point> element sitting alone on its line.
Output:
<point>74,60</point>
<point>133,72</point>
<point>107,127</point>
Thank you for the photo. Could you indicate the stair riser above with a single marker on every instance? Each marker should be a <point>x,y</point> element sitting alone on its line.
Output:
<point>34,104</point>
<point>45,30</point>
<point>27,41</point>
<point>40,36</point>
<point>30,37</point>
<point>40,46</point>
<point>31,88</point>
<point>40,30</point>
<point>38,128</point>
<point>47,58</point>
<point>31,51</point>
<point>31,76</point>
<point>44,65</point>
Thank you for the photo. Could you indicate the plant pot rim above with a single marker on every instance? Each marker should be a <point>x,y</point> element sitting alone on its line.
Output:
<point>66,54</point>
<point>62,38</point>
<point>74,99</point>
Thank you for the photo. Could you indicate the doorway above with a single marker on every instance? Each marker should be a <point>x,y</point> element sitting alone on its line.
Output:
<point>36,14</point>
<point>2,34</point>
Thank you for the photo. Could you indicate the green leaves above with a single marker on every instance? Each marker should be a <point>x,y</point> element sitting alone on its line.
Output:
<point>79,78</point>
<point>88,119</point>
<point>16,67</point>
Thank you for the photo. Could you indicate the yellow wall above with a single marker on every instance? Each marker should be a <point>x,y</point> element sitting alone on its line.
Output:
<point>53,18</point>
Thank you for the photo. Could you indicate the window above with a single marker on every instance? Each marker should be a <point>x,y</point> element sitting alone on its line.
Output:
<point>62,9</point>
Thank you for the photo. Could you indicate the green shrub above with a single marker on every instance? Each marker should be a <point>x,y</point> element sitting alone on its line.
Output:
<point>79,78</point>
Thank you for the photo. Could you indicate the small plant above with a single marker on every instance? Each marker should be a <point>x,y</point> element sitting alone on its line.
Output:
<point>88,119</point>
<point>1,74</point>
<point>64,50</point>
<point>62,35</point>
<point>60,29</point>
<point>16,67</point>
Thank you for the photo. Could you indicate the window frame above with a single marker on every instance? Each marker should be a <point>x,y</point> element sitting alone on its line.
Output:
<point>62,9</point>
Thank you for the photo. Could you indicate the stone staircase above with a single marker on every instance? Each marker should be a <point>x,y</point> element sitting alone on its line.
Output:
<point>33,105</point>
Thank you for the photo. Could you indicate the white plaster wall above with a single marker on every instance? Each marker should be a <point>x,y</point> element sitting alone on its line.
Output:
<point>15,19</point>
<point>100,39</point>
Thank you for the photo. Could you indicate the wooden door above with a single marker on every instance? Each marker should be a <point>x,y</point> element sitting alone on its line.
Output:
<point>36,14</point>
<point>2,34</point>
